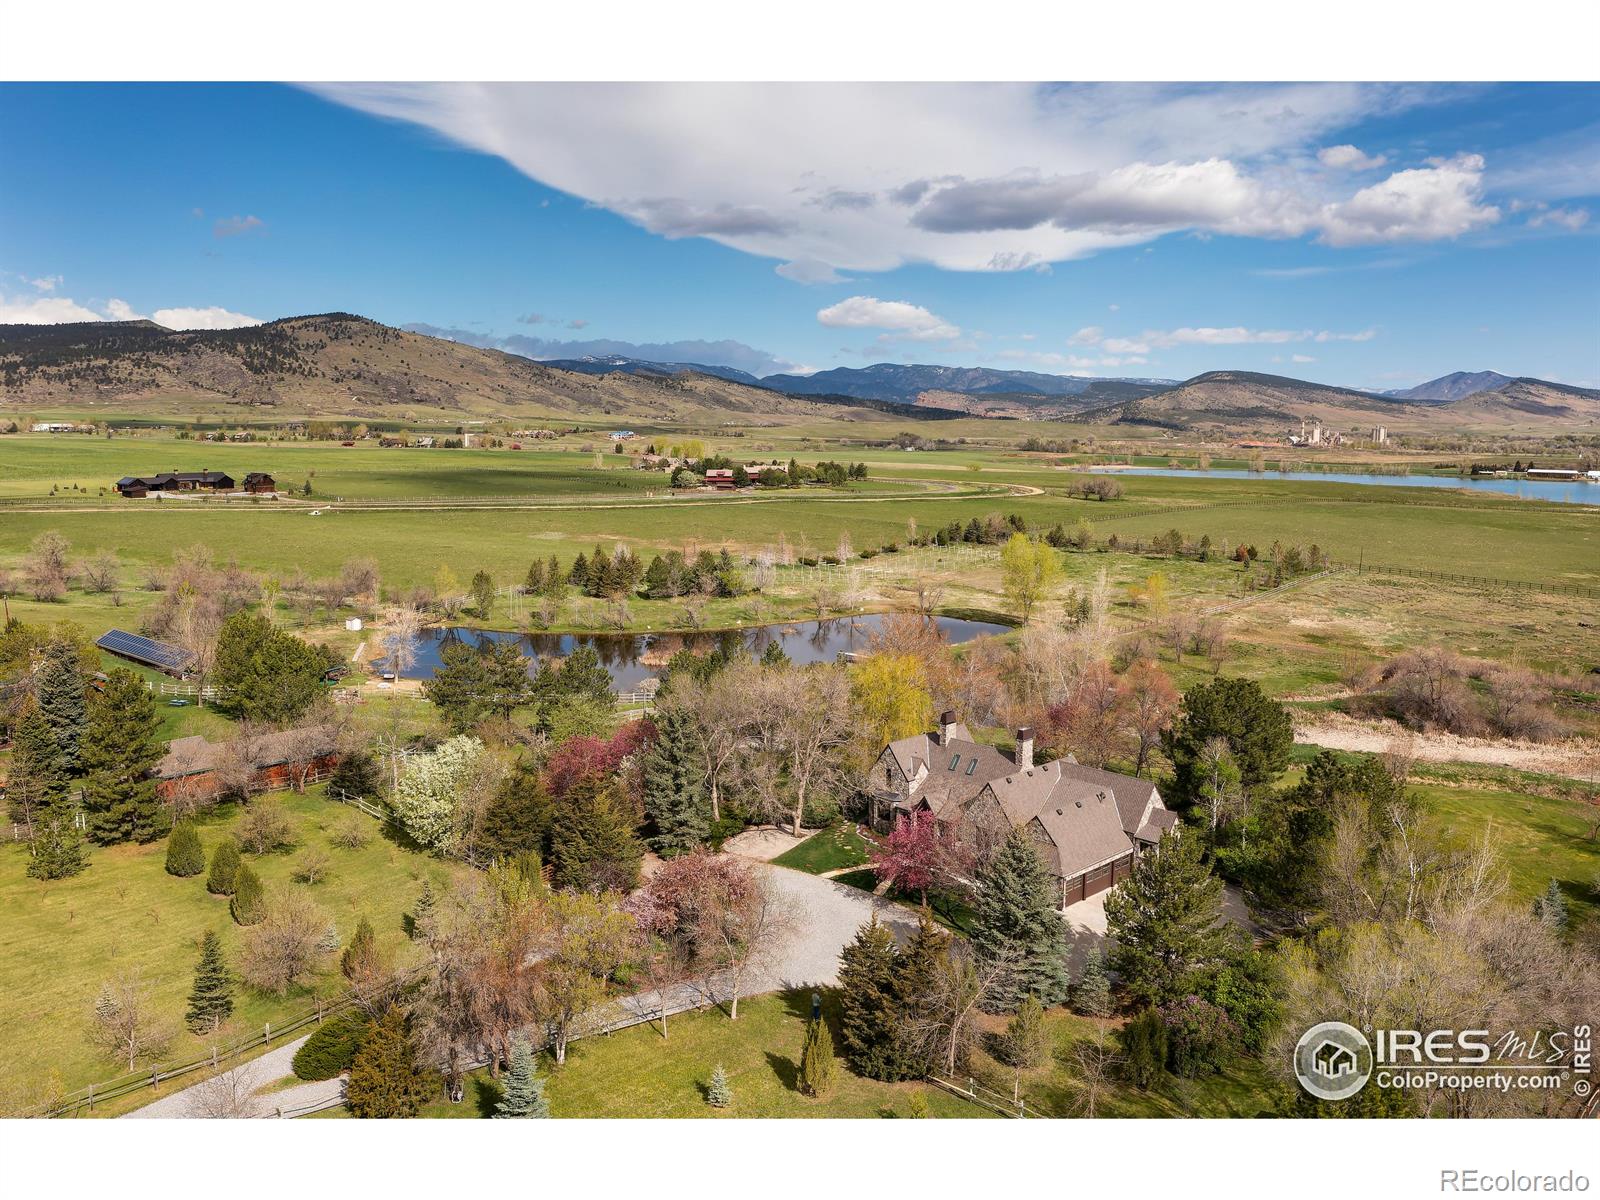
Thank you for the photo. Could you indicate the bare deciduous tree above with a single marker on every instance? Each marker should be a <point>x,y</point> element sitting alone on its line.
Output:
<point>285,945</point>
<point>125,1022</point>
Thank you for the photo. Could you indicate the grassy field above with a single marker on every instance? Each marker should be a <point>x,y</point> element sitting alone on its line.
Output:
<point>830,849</point>
<point>126,915</point>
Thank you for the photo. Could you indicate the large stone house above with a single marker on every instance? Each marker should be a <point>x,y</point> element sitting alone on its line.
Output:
<point>1089,825</point>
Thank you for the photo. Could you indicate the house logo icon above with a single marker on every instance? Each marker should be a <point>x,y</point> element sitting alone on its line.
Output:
<point>1333,1061</point>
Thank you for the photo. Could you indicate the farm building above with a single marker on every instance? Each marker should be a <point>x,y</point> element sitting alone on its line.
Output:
<point>260,482</point>
<point>147,652</point>
<point>175,481</point>
<point>721,479</point>
<point>197,770</point>
<point>1089,825</point>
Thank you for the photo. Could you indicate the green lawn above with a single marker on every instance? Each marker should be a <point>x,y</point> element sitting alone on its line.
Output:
<point>63,939</point>
<point>828,850</point>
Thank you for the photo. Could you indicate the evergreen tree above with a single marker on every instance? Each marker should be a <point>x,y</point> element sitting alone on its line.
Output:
<point>819,1070</point>
<point>793,473</point>
<point>1166,921</point>
<point>674,797</point>
<point>719,1094</point>
<point>1144,1048</point>
<point>1551,907</point>
<point>185,855</point>
<point>225,864</point>
<point>524,1094</point>
<point>554,585</point>
<point>385,1080</point>
<point>1255,726</point>
<point>265,673</point>
<point>1024,1040</point>
<point>578,576</point>
<point>37,787</point>
<point>483,594</point>
<point>361,960</point>
<point>357,776</point>
<point>534,583</point>
<point>422,913</point>
<point>773,655</point>
<point>1017,922</point>
<point>59,689</point>
<point>118,754</point>
<point>869,1025</point>
<point>1093,994</point>
<point>249,903</point>
<point>592,844</point>
<point>518,818</point>
<point>211,998</point>
<point>57,850</point>
<point>657,579</point>
<point>917,971</point>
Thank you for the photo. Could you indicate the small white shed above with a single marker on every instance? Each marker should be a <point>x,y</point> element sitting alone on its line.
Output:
<point>353,624</point>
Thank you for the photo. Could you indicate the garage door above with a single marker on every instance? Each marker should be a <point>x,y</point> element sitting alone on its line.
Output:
<point>1098,880</point>
<point>1121,869</point>
<point>1074,891</point>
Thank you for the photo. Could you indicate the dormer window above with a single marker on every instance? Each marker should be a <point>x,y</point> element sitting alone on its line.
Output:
<point>955,761</point>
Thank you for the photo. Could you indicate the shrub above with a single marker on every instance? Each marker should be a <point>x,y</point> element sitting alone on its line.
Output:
<point>249,902</point>
<point>819,1070</point>
<point>224,868</point>
<point>356,775</point>
<point>332,1049</point>
<point>1144,1048</point>
<point>185,855</point>
<point>265,827</point>
<point>350,835</point>
<point>1200,1037</point>
<point>385,1080</point>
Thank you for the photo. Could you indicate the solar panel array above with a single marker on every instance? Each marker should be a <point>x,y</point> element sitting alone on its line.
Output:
<point>145,650</point>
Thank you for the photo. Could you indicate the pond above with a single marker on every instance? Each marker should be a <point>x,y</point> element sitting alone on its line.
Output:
<point>1561,491</point>
<point>632,658</point>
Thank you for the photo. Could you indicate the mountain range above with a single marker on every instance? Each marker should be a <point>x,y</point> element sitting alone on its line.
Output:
<point>340,365</point>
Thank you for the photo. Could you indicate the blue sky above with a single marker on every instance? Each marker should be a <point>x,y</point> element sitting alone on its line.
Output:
<point>1367,235</point>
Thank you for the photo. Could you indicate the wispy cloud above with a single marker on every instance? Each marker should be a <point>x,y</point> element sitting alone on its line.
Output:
<point>228,227</point>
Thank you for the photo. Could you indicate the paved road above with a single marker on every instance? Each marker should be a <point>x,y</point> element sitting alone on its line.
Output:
<point>825,917</point>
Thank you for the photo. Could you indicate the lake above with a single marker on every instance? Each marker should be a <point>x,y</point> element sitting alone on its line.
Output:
<point>1562,492</point>
<point>632,658</point>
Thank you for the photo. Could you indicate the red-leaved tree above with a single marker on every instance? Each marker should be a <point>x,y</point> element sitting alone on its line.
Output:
<point>912,856</point>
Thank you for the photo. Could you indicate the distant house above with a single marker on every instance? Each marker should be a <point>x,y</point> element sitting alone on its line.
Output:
<point>260,482</point>
<point>195,769</point>
<point>721,478</point>
<point>175,481</point>
<point>1089,825</point>
<point>622,435</point>
<point>61,427</point>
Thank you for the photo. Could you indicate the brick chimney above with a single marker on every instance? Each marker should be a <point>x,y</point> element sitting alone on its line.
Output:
<point>1025,748</point>
<point>947,720</point>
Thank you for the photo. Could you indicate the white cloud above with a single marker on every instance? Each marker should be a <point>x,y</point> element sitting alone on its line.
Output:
<point>901,319</point>
<point>1125,346</point>
<point>867,177</point>
<point>43,310</point>
<point>1301,358</point>
<point>202,318</point>
<point>1211,335</point>
<point>1348,158</point>
<point>237,226</point>
<point>1572,219</point>
<point>121,310</point>
<point>46,283</point>
<point>809,270</point>
<point>1089,335</point>
<point>1422,204</point>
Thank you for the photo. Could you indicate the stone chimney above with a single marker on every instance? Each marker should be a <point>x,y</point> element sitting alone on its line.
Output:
<point>1025,748</point>
<point>947,720</point>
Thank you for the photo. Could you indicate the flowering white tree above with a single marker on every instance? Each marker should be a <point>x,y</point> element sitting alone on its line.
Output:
<point>430,787</point>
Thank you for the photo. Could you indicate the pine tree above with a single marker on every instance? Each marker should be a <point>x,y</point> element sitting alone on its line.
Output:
<point>1551,907</point>
<point>1166,919</point>
<point>57,850</point>
<point>578,576</point>
<point>224,876</point>
<point>819,1070</point>
<point>185,855</point>
<point>37,787</point>
<point>524,1094</point>
<point>917,972</point>
<point>211,998</point>
<point>1092,997</point>
<point>118,753</point>
<point>1024,1038</point>
<point>362,961</point>
<point>534,583</point>
<point>719,1094</point>
<point>249,903</point>
<point>1016,921</point>
<point>422,913</point>
<point>869,1023</point>
<point>592,844</point>
<point>554,585</point>
<point>673,796</point>
<point>517,820</point>
<point>59,688</point>
<point>385,1080</point>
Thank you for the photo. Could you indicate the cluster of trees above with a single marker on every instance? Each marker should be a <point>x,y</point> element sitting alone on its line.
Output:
<point>82,749</point>
<point>772,475</point>
<point>1435,688</point>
